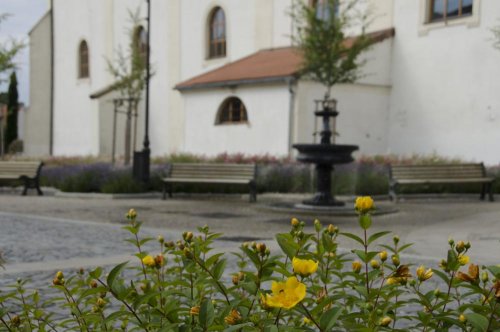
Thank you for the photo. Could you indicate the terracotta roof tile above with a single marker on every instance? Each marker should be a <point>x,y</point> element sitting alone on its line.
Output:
<point>264,66</point>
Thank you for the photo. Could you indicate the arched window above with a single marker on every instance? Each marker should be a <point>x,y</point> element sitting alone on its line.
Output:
<point>83,60</point>
<point>232,110</point>
<point>323,8</point>
<point>141,43</point>
<point>217,34</point>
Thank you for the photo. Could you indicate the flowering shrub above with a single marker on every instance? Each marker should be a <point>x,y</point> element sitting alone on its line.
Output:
<point>308,286</point>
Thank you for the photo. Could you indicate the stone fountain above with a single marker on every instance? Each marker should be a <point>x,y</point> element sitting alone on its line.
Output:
<point>325,155</point>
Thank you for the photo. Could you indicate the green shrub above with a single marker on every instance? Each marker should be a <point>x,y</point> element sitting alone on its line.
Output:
<point>308,285</point>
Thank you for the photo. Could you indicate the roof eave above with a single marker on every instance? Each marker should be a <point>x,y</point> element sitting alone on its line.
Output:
<point>233,83</point>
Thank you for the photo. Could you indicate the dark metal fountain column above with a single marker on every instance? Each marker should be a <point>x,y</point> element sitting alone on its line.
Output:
<point>325,155</point>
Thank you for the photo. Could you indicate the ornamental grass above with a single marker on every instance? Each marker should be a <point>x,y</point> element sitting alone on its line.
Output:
<point>309,284</point>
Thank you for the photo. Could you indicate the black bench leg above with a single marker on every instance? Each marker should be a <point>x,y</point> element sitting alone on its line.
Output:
<point>392,192</point>
<point>164,195</point>
<point>483,191</point>
<point>490,192</point>
<point>37,187</point>
<point>253,192</point>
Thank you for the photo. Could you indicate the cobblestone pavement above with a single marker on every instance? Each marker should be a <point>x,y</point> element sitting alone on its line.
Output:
<point>39,235</point>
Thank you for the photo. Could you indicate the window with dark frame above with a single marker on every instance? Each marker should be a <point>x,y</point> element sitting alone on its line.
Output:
<point>83,60</point>
<point>322,9</point>
<point>217,34</point>
<point>232,110</point>
<point>441,10</point>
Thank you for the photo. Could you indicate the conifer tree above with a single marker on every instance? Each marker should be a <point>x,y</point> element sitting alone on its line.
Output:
<point>12,108</point>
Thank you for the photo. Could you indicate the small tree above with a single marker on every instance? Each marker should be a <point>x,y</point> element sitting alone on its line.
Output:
<point>12,108</point>
<point>8,52</point>
<point>129,71</point>
<point>330,58</point>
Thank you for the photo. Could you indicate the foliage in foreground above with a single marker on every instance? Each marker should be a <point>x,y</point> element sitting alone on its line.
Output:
<point>309,286</point>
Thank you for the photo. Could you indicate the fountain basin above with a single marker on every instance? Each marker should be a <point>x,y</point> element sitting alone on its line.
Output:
<point>325,154</point>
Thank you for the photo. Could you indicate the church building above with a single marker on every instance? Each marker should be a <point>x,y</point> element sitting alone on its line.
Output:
<point>226,78</point>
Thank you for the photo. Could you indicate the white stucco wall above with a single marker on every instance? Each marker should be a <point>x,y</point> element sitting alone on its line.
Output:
<point>266,131</point>
<point>75,115</point>
<point>37,116</point>
<point>445,86</point>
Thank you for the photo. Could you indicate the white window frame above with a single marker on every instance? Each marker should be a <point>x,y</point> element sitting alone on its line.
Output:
<point>425,25</point>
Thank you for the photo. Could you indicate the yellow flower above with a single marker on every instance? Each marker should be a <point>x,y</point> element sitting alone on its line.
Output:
<point>286,294</point>
<point>463,259</point>
<point>364,204</point>
<point>356,266</point>
<point>307,321</point>
<point>295,222</point>
<point>304,267</point>
<point>422,274</point>
<point>149,261</point>
<point>472,276</point>
<point>462,318</point>
<point>375,264</point>
<point>194,311</point>
<point>233,318</point>
<point>383,255</point>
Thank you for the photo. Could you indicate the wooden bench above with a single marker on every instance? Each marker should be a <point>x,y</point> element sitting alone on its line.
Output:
<point>243,174</point>
<point>439,174</point>
<point>26,171</point>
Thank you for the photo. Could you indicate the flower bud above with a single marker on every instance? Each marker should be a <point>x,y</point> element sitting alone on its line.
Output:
<point>375,264</point>
<point>460,247</point>
<point>356,266</point>
<point>437,292</point>
<point>93,284</point>
<point>467,245</point>
<point>295,222</point>
<point>395,239</point>
<point>484,276</point>
<point>170,244</point>
<point>317,225</point>
<point>462,318</point>
<point>15,321</point>
<point>81,271</point>
<point>268,252</point>
<point>131,215</point>
<point>451,242</point>
<point>300,235</point>
<point>58,282</point>
<point>159,261</point>
<point>59,275</point>
<point>188,236</point>
<point>181,246</point>
<point>100,302</point>
<point>395,260</point>
<point>383,255</point>
<point>187,253</point>
<point>160,239</point>
<point>261,247</point>
<point>241,276</point>
<point>235,280</point>
<point>332,229</point>
<point>385,321</point>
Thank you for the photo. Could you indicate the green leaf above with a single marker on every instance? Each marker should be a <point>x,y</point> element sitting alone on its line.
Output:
<point>495,270</point>
<point>114,273</point>
<point>207,315</point>
<point>403,247</point>
<point>287,244</point>
<point>354,237</point>
<point>452,261</point>
<point>478,321</point>
<point>96,274</point>
<point>329,318</point>
<point>377,236</point>
<point>237,327</point>
<point>219,269</point>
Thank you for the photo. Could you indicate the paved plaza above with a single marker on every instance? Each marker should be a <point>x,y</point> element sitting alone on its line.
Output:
<point>40,235</point>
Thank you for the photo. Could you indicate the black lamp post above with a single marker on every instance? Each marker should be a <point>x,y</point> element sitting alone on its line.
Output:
<point>142,158</point>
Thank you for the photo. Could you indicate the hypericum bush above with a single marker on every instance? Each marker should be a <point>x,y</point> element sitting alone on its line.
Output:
<point>309,286</point>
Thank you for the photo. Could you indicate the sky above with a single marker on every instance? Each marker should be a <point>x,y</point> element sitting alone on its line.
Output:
<point>24,15</point>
